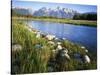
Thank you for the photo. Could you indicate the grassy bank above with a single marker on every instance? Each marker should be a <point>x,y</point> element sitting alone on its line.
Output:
<point>66,21</point>
<point>36,53</point>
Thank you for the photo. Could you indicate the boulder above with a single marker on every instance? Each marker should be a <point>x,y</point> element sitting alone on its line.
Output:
<point>51,43</point>
<point>59,47</point>
<point>65,51</point>
<point>38,35</point>
<point>82,47</point>
<point>87,59</point>
<point>67,56</point>
<point>50,37</point>
<point>59,43</point>
<point>64,54</point>
<point>86,50</point>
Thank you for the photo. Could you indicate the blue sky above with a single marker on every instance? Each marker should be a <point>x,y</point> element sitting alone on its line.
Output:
<point>37,5</point>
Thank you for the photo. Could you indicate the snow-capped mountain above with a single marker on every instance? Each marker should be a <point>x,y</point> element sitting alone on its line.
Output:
<point>57,12</point>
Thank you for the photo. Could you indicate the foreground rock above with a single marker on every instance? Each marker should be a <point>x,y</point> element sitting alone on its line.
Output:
<point>87,59</point>
<point>38,35</point>
<point>59,47</point>
<point>64,53</point>
<point>51,43</point>
<point>50,37</point>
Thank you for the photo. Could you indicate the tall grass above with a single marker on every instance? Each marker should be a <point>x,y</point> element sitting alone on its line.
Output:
<point>29,59</point>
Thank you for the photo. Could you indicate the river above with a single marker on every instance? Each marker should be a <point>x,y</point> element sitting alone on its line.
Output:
<point>84,35</point>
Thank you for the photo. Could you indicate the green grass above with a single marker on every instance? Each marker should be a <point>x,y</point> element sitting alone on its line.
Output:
<point>35,60</point>
<point>66,21</point>
<point>29,59</point>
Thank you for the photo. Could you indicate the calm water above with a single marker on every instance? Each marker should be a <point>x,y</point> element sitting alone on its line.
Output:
<point>83,35</point>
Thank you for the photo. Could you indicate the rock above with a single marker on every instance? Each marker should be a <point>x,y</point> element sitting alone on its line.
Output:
<point>87,59</point>
<point>67,56</point>
<point>16,47</point>
<point>59,47</point>
<point>64,54</point>
<point>43,35</point>
<point>50,37</point>
<point>51,43</point>
<point>50,69</point>
<point>59,43</point>
<point>86,51</point>
<point>38,35</point>
<point>65,51</point>
<point>82,47</point>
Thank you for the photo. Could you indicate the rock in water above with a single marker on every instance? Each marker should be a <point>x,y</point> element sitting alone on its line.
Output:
<point>87,59</point>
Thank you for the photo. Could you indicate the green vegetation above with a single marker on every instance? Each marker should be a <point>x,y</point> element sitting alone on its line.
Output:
<point>32,59</point>
<point>60,20</point>
<point>86,16</point>
<point>29,59</point>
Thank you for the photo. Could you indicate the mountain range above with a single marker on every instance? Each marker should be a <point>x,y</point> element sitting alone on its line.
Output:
<point>58,12</point>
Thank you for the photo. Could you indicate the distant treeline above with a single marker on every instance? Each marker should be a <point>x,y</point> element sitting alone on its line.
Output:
<point>87,16</point>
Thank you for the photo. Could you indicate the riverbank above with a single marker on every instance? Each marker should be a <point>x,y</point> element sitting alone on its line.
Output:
<point>66,21</point>
<point>35,52</point>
